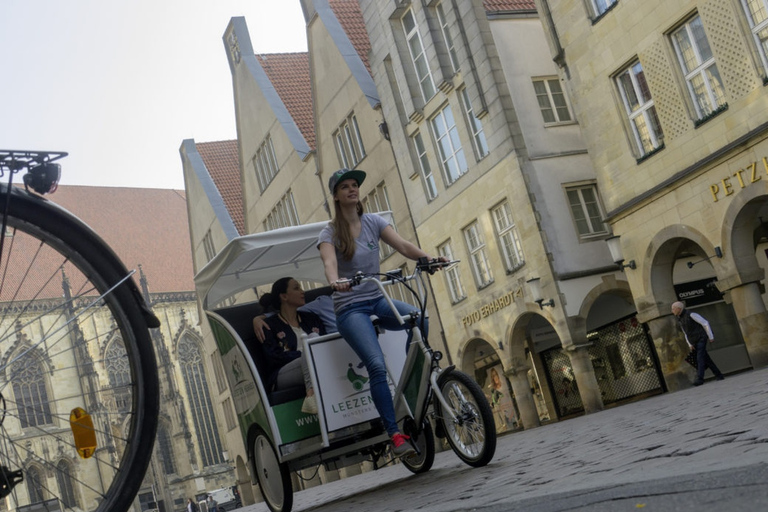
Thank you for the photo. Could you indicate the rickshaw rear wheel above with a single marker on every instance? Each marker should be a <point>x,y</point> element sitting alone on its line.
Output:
<point>472,435</point>
<point>424,440</point>
<point>273,476</point>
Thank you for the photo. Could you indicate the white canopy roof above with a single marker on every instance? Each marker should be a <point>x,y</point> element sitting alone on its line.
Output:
<point>263,258</point>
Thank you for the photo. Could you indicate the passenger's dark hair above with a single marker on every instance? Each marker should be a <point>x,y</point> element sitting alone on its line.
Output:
<point>271,300</point>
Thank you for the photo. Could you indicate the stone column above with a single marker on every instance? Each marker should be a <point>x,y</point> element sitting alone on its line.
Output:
<point>753,321</point>
<point>586,381</point>
<point>518,377</point>
<point>671,349</point>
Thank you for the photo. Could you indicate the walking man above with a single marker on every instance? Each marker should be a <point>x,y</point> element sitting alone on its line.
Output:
<point>697,333</point>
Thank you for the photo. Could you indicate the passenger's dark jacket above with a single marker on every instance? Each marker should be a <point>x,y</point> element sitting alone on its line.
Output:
<point>280,343</point>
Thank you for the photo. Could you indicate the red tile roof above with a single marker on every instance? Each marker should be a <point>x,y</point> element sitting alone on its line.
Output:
<point>509,5</point>
<point>146,227</point>
<point>351,19</point>
<point>222,160</point>
<point>289,74</point>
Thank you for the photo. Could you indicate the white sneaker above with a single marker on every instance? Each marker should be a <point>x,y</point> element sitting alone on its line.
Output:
<point>310,405</point>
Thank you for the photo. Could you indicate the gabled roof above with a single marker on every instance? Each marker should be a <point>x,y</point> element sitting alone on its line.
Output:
<point>144,226</point>
<point>289,75</point>
<point>351,18</point>
<point>222,160</point>
<point>509,5</point>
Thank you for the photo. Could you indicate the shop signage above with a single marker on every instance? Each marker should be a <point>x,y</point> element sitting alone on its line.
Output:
<point>741,178</point>
<point>492,307</point>
<point>699,292</point>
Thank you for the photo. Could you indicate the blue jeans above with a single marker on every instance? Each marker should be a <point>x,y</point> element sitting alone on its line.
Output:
<point>354,324</point>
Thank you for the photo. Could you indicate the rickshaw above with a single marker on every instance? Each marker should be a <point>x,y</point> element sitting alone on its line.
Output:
<point>347,430</point>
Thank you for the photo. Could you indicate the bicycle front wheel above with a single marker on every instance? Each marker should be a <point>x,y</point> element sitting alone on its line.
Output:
<point>75,351</point>
<point>472,435</point>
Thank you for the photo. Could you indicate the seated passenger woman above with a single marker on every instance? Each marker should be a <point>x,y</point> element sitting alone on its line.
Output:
<point>282,342</point>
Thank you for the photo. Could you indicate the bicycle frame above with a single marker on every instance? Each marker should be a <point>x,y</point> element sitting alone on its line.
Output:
<point>419,378</point>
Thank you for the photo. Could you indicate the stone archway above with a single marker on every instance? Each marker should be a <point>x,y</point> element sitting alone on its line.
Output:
<point>745,231</point>
<point>482,361</point>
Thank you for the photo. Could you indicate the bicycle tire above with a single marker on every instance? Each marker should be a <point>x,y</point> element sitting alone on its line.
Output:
<point>273,476</point>
<point>473,435</point>
<point>102,361</point>
<point>424,439</point>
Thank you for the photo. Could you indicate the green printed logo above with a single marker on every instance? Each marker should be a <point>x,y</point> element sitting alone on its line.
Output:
<point>358,381</point>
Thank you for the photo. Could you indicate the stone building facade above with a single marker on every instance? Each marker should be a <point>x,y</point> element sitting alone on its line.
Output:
<point>672,103</point>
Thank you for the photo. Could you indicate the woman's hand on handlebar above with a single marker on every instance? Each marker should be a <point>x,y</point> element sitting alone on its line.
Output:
<point>432,265</point>
<point>342,285</point>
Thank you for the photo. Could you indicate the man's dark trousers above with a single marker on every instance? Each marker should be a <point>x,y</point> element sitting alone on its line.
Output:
<point>703,361</point>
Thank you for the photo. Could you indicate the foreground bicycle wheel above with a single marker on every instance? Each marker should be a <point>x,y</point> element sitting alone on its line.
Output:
<point>473,434</point>
<point>72,336</point>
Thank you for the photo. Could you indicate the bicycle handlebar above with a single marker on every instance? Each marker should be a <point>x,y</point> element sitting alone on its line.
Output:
<point>422,265</point>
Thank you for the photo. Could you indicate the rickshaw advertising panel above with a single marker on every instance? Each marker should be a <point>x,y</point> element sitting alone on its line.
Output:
<point>245,395</point>
<point>343,379</point>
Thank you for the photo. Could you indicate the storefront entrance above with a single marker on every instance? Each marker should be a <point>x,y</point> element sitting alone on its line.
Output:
<point>624,362</point>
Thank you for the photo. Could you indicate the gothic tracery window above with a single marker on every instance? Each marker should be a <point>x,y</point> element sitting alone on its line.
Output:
<point>30,392</point>
<point>201,406</point>
<point>166,450</point>
<point>64,481</point>
<point>119,371</point>
<point>34,484</point>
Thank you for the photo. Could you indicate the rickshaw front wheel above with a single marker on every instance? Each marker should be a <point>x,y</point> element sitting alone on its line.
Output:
<point>274,477</point>
<point>472,435</point>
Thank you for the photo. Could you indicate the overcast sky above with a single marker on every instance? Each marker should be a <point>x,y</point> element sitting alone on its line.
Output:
<point>119,84</point>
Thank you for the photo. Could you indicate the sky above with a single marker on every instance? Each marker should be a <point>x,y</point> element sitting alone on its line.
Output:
<point>119,84</point>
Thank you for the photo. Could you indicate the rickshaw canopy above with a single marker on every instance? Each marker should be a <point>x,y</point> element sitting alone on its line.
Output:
<point>262,258</point>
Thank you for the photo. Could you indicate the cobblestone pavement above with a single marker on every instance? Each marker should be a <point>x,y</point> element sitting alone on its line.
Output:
<point>670,452</point>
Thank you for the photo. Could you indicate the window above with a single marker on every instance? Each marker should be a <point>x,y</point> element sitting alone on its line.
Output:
<point>31,393</point>
<point>119,373</point>
<point>452,276</point>
<point>640,108</point>
<point>35,484</point>
<point>349,143</point>
<point>552,104</point>
<point>147,501</point>
<point>476,245</point>
<point>64,474</point>
<point>447,137</point>
<point>283,214</point>
<point>586,211</point>
<point>426,171</point>
<point>602,6</point>
<point>200,404</point>
<point>218,371</point>
<point>265,163</point>
<point>208,247</point>
<point>757,14</point>
<point>418,56</point>
<point>165,449</point>
<point>509,238</point>
<point>699,68</point>
<point>447,38</point>
<point>229,414</point>
<point>378,201</point>
<point>478,136</point>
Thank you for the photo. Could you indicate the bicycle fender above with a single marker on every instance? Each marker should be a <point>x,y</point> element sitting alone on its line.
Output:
<point>71,222</point>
